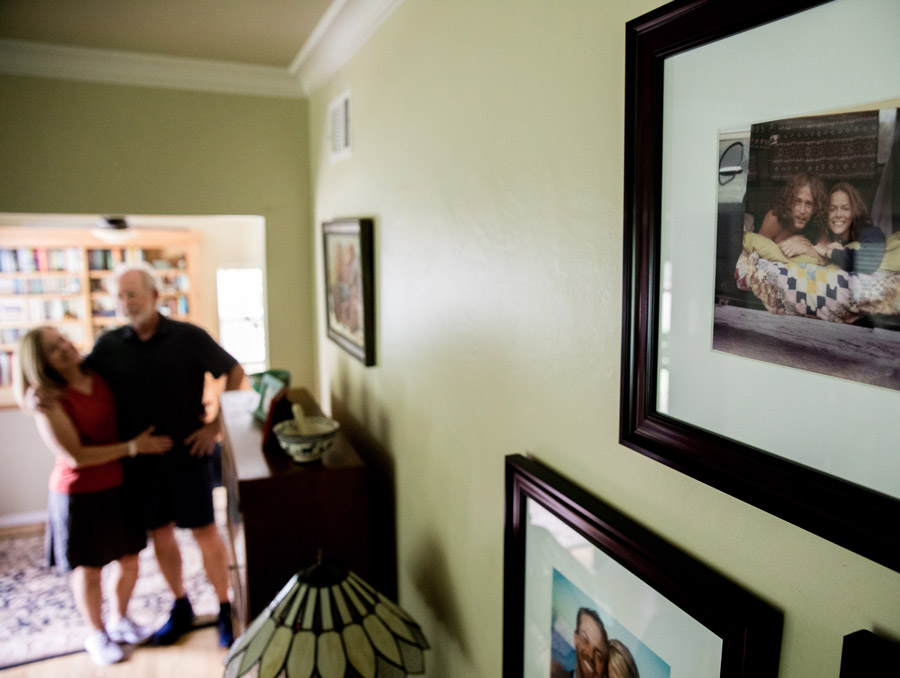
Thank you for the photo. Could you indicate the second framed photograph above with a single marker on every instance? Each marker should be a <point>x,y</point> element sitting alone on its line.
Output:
<point>588,592</point>
<point>349,286</point>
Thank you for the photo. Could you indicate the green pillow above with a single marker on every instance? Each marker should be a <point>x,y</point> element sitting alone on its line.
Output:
<point>754,242</point>
<point>891,260</point>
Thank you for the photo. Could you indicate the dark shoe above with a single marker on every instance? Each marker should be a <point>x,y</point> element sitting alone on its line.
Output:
<point>223,625</point>
<point>180,622</point>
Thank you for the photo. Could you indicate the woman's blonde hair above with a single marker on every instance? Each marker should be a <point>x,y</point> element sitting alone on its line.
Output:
<point>30,369</point>
<point>621,658</point>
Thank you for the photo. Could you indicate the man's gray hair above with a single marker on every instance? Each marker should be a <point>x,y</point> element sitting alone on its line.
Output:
<point>145,271</point>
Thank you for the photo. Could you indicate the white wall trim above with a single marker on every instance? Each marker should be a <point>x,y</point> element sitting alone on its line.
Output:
<point>342,31</point>
<point>20,519</point>
<point>129,68</point>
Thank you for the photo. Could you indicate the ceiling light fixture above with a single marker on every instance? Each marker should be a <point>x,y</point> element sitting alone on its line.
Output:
<point>114,231</point>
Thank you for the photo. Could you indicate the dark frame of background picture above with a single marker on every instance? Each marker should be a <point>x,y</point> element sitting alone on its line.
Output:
<point>833,507</point>
<point>692,620</point>
<point>349,286</point>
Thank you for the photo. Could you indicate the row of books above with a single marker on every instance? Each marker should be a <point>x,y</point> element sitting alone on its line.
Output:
<point>36,310</point>
<point>11,335</point>
<point>174,307</point>
<point>42,259</point>
<point>103,307</point>
<point>107,260</point>
<point>174,282</point>
<point>106,307</point>
<point>101,260</point>
<point>59,286</point>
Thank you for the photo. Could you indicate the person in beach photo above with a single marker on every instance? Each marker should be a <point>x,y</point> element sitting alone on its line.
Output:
<point>591,648</point>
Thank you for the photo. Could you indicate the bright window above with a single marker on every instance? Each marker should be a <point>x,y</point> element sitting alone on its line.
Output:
<point>242,318</point>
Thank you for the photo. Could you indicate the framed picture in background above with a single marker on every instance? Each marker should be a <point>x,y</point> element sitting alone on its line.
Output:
<point>732,385</point>
<point>270,387</point>
<point>585,584</point>
<point>349,286</point>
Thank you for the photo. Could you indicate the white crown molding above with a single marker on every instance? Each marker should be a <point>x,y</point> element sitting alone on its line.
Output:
<point>130,68</point>
<point>342,31</point>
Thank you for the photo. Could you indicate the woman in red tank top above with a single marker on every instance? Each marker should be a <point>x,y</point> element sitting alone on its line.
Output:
<point>89,521</point>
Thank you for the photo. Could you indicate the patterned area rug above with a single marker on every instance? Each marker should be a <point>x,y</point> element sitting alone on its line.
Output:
<point>38,619</point>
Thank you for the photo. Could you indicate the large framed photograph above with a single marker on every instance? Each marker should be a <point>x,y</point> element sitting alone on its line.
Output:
<point>349,286</point>
<point>588,592</point>
<point>761,312</point>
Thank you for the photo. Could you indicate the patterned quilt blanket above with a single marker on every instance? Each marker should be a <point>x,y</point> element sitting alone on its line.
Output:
<point>813,291</point>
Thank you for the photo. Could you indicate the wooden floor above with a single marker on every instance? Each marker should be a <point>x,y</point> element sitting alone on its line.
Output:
<point>196,655</point>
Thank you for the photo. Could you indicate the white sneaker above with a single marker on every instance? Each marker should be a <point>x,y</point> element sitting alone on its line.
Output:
<point>101,649</point>
<point>126,631</point>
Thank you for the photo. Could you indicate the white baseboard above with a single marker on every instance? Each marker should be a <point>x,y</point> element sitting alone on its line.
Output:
<point>19,519</point>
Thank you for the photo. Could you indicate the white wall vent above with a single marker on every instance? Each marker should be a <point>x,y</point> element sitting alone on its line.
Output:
<point>339,127</point>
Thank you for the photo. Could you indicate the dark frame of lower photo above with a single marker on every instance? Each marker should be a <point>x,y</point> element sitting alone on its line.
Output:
<point>684,592</point>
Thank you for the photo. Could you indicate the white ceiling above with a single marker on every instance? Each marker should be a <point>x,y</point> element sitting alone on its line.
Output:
<point>260,32</point>
<point>263,47</point>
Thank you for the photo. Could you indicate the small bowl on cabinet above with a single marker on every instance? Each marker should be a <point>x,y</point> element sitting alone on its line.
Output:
<point>307,441</point>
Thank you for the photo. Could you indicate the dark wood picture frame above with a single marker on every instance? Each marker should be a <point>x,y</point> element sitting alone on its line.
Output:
<point>349,286</point>
<point>867,654</point>
<point>749,628</point>
<point>847,514</point>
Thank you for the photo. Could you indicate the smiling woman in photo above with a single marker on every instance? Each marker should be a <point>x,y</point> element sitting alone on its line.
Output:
<point>849,222</point>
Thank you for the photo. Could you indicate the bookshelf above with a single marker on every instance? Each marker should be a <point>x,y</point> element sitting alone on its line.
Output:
<point>58,277</point>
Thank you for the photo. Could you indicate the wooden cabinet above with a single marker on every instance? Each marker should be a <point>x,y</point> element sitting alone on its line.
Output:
<point>56,276</point>
<point>281,513</point>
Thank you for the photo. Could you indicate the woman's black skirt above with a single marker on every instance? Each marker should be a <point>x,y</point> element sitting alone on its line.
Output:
<point>91,529</point>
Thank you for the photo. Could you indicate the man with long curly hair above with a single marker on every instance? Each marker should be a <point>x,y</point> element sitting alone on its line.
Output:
<point>796,221</point>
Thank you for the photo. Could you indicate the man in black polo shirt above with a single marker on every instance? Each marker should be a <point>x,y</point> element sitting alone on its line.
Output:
<point>156,369</point>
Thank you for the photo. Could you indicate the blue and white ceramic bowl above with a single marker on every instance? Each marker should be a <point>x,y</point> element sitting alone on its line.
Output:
<point>310,444</point>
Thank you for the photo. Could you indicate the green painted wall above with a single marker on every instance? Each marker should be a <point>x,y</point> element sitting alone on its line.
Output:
<point>488,146</point>
<point>72,147</point>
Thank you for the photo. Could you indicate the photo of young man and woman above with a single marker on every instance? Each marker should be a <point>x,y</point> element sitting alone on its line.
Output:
<point>808,244</point>
<point>588,642</point>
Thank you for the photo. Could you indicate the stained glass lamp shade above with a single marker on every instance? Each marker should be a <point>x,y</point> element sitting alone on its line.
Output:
<point>328,623</point>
